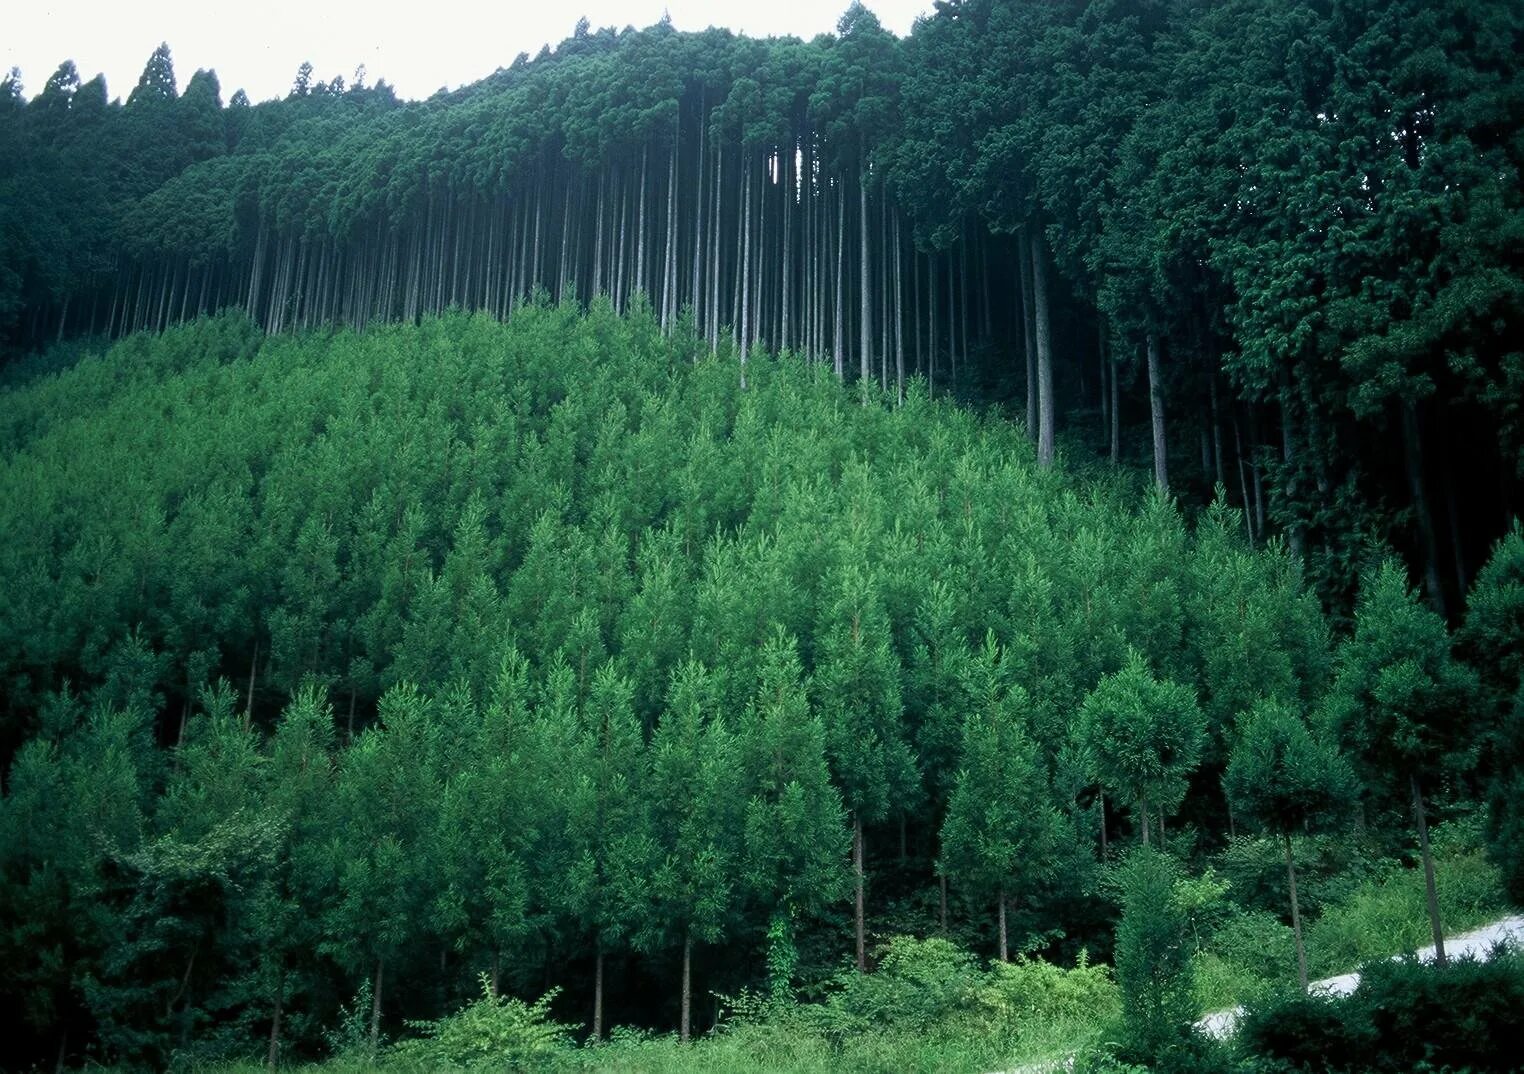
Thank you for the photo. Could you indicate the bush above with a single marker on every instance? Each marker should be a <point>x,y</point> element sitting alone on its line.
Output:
<point>1405,1016</point>
<point>1391,915</point>
<point>495,1031</point>
<point>1019,993</point>
<point>918,984</point>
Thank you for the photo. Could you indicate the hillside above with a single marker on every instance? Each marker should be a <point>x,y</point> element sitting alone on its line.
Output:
<point>1176,232</point>
<point>375,661</point>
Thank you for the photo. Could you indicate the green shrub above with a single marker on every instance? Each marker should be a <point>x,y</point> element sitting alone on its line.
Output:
<point>1390,915</point>
<point>1405,1016</point>
<point>1027,991</point>
<point>918,984</point>
<point>495,1031</point>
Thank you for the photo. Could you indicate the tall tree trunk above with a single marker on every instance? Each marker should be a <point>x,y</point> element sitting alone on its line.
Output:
<point>248,708</point>
<point>1412,443</point>
<point>1005,951</point>
<point>375,1010</point>
<point>598,994</point>
<point>745,269</point>
<point>899,312</point>
<point>687,985</point>
<point>272,1054</point>
<point>1044,354</point>
<point>857,875</point>
<point>1296,916</point>
<point>1430,889</point>
<point>864,284</point>
<point>839,334</point>
<point>1143,809</point>
<point>1156,413</point>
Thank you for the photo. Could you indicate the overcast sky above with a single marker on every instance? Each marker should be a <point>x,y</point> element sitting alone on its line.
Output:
<point>417,47</point>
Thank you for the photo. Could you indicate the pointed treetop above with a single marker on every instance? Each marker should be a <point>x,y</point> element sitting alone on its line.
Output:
<point>157,82</point>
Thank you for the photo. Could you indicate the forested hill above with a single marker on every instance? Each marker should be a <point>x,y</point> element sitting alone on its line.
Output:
<point>340,668</point>
<point>1274,247</point>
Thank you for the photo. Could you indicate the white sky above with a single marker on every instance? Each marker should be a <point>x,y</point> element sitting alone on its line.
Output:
<point>416,47</point>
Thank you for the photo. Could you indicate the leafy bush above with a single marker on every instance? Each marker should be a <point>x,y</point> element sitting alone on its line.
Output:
<point>1390,915</point>
<point>495,1031</point>
<point>1405,1016</point>
<point>1030,990</point>
<point>918,984</point>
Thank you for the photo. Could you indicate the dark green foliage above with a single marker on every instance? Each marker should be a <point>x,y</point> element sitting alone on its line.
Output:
<point>1405,1016</point>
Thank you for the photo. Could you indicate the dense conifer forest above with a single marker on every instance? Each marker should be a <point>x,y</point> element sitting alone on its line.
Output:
<point>878,553</point>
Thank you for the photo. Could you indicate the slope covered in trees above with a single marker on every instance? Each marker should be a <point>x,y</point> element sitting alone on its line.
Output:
<point>344,663</point>
<point>1273,248</point>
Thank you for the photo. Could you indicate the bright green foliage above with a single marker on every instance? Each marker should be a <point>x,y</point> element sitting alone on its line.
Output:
<point>1153,957</point>
<point>697,809</point>
<point>405,655</point>
<point>1145,735</point>
<point>796,836</point>
<point>1399,701</point>
<point>493,1030</point>
<point>1000,834</point>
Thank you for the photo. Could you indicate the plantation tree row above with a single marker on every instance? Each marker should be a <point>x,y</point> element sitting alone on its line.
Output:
<point>1246,245</point>
<point>377,661</point>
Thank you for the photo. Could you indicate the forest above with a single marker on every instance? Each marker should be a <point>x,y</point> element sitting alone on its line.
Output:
<point>707,553</point>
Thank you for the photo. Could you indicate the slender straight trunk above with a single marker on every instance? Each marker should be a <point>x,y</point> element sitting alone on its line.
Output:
<point>375,1010</point>
<point>1221,478</point>
<point>745,269</point>
<point>1288,455</point>
<point>1143,808</point>
<point>698,219</point>
<point>248,708</point>
<point>687,986</point>
<point>839,335</point>
<point>1430,889</point>
<point>63,1052</point>
<point>915,313</point>
<point>640,225</point>
<point>857,874</point>
<point>931,326</point>
<point>1243,479</point>
<point>1296,916</point>
<point>785,328</point>
<point>598,993</point>
<point>1156,413</point>
<point>864,283</point>
<point>669,262</point>
<point>598,235</point>
<point>272,1054</point>
<point>1412,442</point>
<point>952,324</point>
<point>1005,951</point>
<point>1044,354</point>
<point>714,261</point>
<point>899,312</point>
